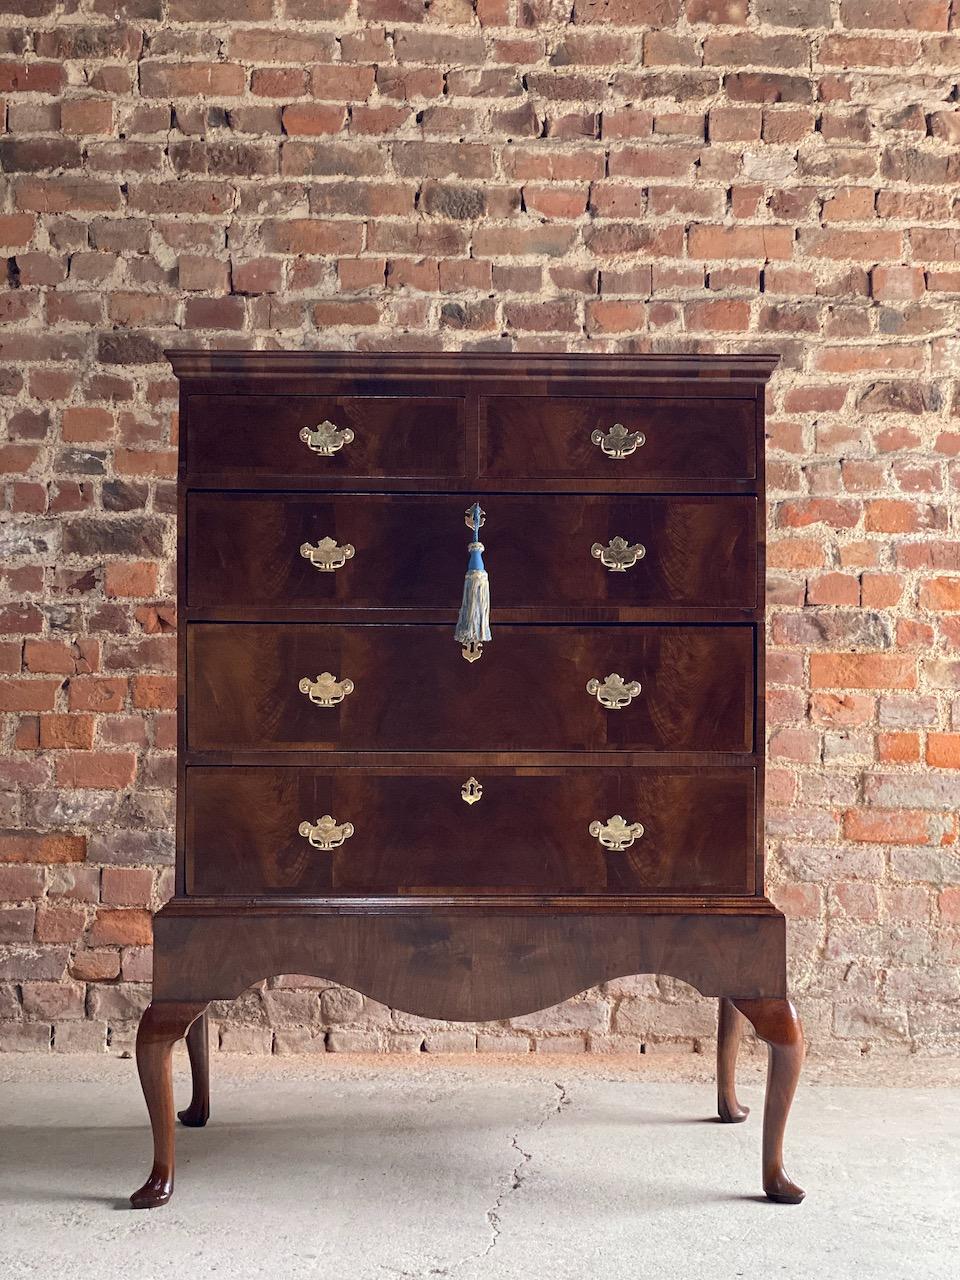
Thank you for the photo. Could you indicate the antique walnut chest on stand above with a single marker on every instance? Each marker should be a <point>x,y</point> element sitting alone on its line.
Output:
<point>476,832</point>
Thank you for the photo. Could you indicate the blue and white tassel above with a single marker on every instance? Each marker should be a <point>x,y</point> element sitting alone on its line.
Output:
<point>473,624</point>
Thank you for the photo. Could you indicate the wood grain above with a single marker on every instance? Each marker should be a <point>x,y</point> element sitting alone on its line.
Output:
<point>393,435</point>
<point>528,833</point>
<point>414,691</point>
<point>410,551</point>
<point>470,965</point>
<point>545,437</point>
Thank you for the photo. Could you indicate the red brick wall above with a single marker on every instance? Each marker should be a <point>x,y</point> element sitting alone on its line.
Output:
<point>572,174</point>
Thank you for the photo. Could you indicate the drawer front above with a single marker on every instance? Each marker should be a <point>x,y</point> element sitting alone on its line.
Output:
<point>370,435</point>
<point>561,438</point>
<point>408,688</point>
<point>408,831</point>
<point>407,552</point>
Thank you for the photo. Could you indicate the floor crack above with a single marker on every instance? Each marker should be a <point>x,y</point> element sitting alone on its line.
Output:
<point>560,1100</point>
<point>517,1175</point>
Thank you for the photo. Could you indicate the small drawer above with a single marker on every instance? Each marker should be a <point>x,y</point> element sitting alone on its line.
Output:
<point>624,441</point>
<point>407,688</point>
<point>325,436</point>
<point>297,551</point>
<point>316,831</point>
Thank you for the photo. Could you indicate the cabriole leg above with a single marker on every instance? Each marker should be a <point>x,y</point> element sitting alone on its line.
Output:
<point>197,1113</point>
<point>162,1025</point>
<point>729,1030</point>
<point>776,1022</point>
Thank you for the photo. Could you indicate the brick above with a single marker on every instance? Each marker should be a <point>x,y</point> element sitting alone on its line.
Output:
<point>204,274</point>
<point>881,590</point>
<point>312,118</point>
<point>897,284</point>
<point>215,313</point>
<point>31,77</point>
<point>259,275</point>
<point>61,657</point>
<point>130,578</point>
<point>104,693</point>
<point>16,924</point>
<point>765,243</point>
<point>837,514</point>
<point>846,710</point>
<point>64,922</point>
<point>333,314</point>
<point>719,316</point>
<point>191,79</point>
<point>28,695</point>
<point>728,12</point>
<point>85,116</point>
<point>121,927</point>
<point>86,424</point>
<point>16,230</point>
<point>893,515</point>
<point>95,966</point>
<point>794,13</point>
<point>310,236</point>
<point>879,826</point>
<point>30,1037</point>
<point>753,86</point>
<point>943,750</point>
<point>908,15</point>
<point>127,886</point>
<point>834,588</point>
<point>34,846</point>
<point>69,732</point>
<point>79,883</point>
<point>97,770</point>
<point>870,245</point>
<point>154,693</point>
<point>18,883</point>
<point>942,594</point>
<point>862,671</point>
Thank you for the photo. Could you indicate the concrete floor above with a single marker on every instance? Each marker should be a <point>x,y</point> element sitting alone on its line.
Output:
<point>346,1169</point>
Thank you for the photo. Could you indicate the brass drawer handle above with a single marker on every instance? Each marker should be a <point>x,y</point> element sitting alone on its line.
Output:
<point>614,693</point>
<point>618,555</point>
<point>326,555</point>
<point>618,442</point>
<point>326,690</point>
<point>326,833</point>
<point>327,438</point>
<point>616,833</point>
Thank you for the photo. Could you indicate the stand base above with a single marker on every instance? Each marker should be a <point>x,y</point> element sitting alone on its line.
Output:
<point>469,963</point>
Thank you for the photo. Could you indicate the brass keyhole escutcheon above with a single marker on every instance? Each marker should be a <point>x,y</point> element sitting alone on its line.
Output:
<point>471,791</point>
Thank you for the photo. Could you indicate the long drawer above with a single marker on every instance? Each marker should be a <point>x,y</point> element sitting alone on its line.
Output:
<point>407,688</point>
<point>635,440</point>
<point>534,830</point>
<point>326,436</point>
<point>401,551</point>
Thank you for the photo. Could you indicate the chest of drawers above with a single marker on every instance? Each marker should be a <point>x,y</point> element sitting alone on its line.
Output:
<point>475,839</point>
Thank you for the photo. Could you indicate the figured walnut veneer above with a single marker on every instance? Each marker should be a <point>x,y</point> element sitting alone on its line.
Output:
<point>330,731</point>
